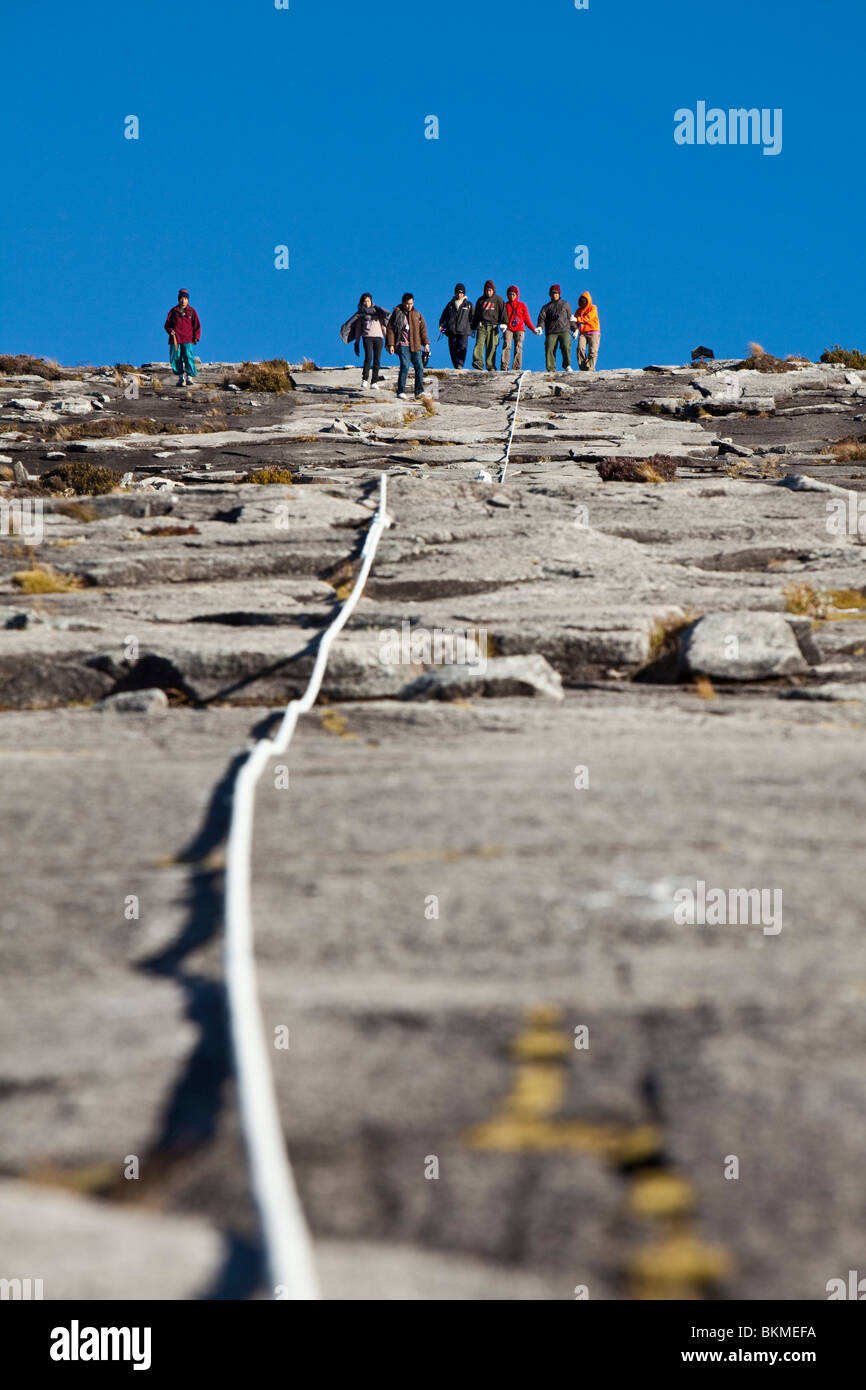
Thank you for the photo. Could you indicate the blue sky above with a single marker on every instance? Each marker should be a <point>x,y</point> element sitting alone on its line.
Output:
<point>305,127</point>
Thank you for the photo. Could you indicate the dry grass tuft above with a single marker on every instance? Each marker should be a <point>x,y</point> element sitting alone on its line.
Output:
<point>267,477</point>
<point>170,531</point>
<point>77,511</point>
<point>273,376</point>
<point>86,479</point>
<point>657,469</point>
<point>42,579</point>
<point>23,365</point>
<point>852,450</point>
<point>844,357</point>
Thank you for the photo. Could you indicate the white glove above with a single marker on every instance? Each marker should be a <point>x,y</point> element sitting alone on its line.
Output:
<point>539,332</point>
<point>576,334</point>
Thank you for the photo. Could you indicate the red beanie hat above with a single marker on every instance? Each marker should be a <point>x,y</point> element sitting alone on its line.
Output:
<point>554,289</point>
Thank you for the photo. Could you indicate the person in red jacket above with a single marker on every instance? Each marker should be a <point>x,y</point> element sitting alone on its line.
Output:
<point>517,320</point>
<point>183,327</point>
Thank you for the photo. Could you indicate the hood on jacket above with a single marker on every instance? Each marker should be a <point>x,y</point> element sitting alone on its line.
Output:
<point>588,297</point>
<point>516,290</point>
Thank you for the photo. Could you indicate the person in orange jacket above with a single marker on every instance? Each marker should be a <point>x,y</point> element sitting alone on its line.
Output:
<point>587,333</point>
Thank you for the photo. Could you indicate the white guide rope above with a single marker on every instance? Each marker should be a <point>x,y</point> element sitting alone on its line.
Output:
<point>284,1228</point>
<point>511,432</point>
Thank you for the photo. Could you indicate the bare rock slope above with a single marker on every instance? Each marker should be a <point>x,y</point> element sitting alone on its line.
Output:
<point>563,703</point>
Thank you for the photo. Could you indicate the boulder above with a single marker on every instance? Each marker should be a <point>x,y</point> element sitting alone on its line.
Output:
<point>741,646</point>
<point>152,701</point>
<point>499,676</point>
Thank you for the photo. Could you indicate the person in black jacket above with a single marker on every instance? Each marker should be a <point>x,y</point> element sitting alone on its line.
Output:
<point>455,322</point>
<point>555,321</point>
<point>367,325</point>
<point>488,314</point>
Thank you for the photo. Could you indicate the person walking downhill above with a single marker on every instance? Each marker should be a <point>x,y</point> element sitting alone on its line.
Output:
<point>517,320</point>
<point>406,335</point>
<point>183,327</point>
<point>588,333</point>
<point>455,322</point>
<point>555,321</point>
<point>488,314</point>
<point>367,325</point>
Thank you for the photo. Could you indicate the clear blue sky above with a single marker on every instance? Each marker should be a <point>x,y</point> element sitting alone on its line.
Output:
<point>305,127</point>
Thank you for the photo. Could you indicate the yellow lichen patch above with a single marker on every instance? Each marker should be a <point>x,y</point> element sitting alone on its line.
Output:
<point>212,862</point>
<point>515,1133</point>
<point>826,604</point>
<point>844,600</point>
<point>437,855</point>
<point>803,599</point>
<point>677,1265</point>
<point>538,1091</point>
<point>636,1144</point>
<point>538,1045</point>
<point>87,1179</point>
<point>336,724</point>
<point>703,688</point>
<point>659,1193</point>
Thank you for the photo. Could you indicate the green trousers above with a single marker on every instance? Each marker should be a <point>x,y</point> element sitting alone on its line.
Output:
<point>486,343</point>
<point>550,342</point>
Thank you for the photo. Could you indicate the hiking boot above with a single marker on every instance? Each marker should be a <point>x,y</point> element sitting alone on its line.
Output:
<point>569,369</point>
<point>374,386</point>
<point>401,396</point>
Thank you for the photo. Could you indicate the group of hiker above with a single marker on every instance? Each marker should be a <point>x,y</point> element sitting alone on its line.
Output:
<point>404,331</point>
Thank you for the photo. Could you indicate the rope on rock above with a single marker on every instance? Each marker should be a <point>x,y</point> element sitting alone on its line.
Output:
<point>286,1236</point>
<point>513,423</point>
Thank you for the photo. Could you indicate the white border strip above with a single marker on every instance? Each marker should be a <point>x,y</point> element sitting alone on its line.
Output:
<point>284,1228</point>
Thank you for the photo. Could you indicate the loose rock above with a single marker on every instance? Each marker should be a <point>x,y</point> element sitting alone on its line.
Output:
<point>741,646</point>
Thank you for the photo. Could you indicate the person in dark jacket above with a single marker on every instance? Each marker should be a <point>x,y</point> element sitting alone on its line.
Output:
<point>455,322</point>
<point>406,335</point>
<point>367,325</point>
<point>183,327</point>
<point>517,320</point>
<point>555,322</point>
<point>488,314</point>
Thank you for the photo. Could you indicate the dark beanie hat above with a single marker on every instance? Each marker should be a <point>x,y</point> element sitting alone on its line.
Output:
<point>183,294</point>
<point>488,284</point>
<point>459,289</point>
<point>554,289</point>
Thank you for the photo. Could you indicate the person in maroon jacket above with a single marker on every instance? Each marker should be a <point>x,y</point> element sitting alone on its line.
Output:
<point>184,330</point>
<point>517,320</point>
